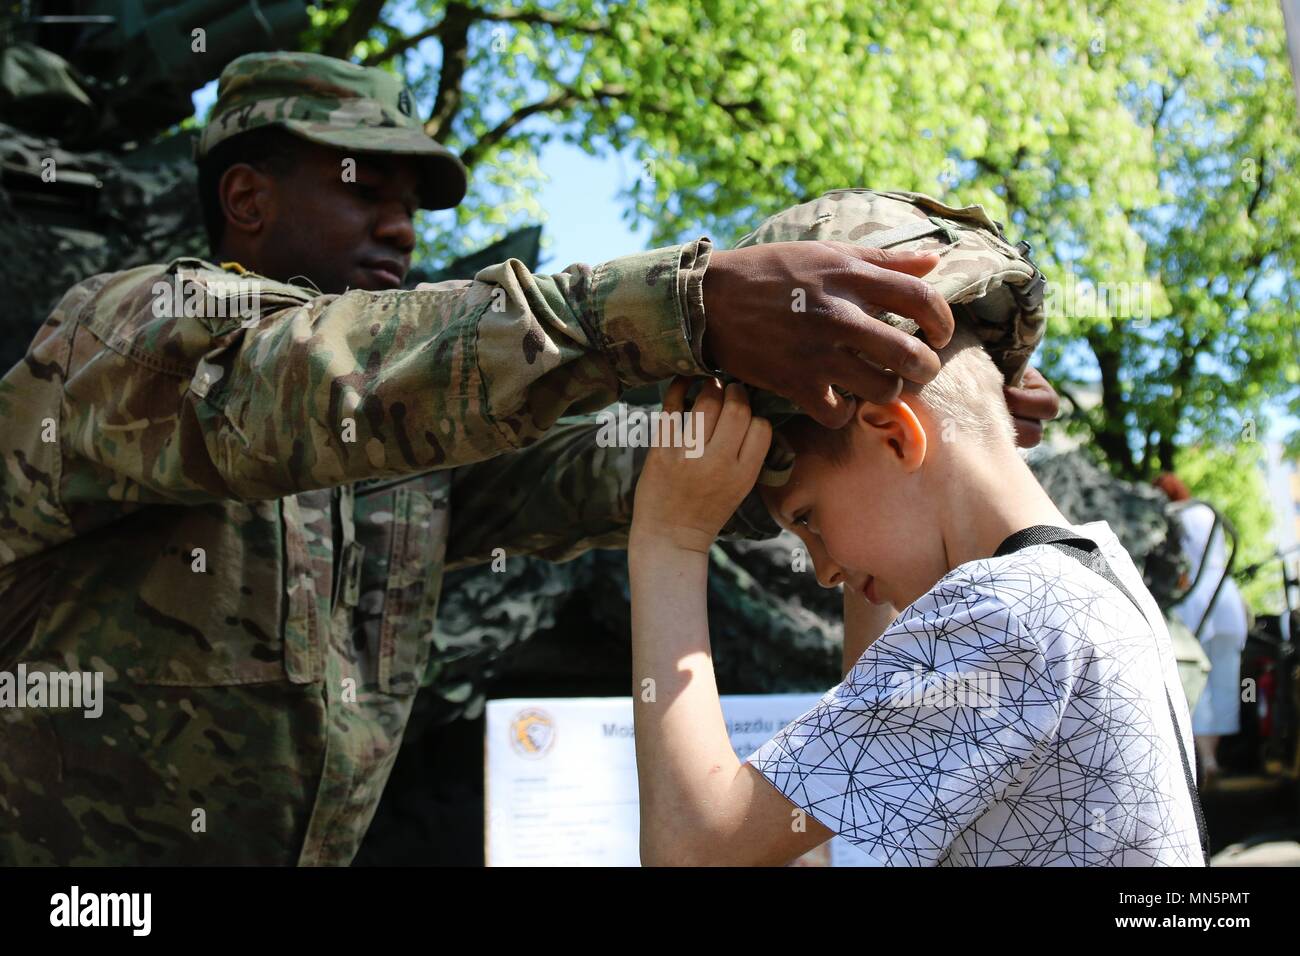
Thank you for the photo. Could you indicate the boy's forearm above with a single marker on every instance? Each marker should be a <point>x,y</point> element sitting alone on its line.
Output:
<point>685,759</point>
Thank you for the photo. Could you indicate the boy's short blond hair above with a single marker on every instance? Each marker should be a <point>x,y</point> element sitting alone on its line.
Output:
<point>964,400</point>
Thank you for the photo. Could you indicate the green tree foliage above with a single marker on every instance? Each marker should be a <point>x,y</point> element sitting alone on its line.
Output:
<point>1145,150</point>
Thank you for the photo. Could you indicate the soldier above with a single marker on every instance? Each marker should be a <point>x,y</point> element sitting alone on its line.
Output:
<point>231,487</point>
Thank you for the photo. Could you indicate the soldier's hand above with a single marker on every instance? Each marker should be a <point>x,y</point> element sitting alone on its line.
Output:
<point>1032,403</point>
<point>796,318</point>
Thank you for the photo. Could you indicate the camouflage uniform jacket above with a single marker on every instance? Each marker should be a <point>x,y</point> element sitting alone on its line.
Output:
<point>243,525</point>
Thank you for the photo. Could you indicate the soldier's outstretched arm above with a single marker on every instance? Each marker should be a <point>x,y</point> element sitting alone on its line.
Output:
<point>321,390</point>
<point>555,499</point>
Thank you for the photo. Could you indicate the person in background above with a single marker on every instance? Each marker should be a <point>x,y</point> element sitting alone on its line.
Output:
<point>1218,712</point>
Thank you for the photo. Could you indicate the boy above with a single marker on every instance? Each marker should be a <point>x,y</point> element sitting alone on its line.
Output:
<point>1018,711</point>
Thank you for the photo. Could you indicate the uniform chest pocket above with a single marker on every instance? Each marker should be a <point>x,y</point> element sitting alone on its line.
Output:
<point>223,601</point>
<point>403,527</point>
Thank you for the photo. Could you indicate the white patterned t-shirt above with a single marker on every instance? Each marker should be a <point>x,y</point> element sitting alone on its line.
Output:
<point>1018,713</point>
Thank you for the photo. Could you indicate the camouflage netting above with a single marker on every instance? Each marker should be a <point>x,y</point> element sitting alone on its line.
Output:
<point>100,213</point>
<point>1138,513</point>
<point>101,98</point>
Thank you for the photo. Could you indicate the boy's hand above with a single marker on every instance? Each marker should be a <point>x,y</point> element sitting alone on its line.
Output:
<point>683,501</point>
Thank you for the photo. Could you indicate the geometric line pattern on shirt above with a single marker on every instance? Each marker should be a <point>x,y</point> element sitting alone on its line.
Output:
<point>1074,765</point>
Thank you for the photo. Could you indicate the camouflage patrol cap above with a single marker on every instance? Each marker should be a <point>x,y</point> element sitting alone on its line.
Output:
<point>334,103</point>
<point>993,287</point>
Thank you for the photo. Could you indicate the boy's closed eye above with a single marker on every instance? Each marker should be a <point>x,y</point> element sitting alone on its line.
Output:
<point>805,516</point>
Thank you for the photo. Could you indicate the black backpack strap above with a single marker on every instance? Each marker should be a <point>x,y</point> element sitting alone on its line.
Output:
<point>1088,553</point>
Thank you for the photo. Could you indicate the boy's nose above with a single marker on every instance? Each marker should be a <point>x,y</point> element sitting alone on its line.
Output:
<point>833,579</point>
<point>829,574</point>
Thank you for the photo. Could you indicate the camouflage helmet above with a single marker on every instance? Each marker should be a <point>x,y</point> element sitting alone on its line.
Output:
<point>334,103</point>
<point>993,287</point>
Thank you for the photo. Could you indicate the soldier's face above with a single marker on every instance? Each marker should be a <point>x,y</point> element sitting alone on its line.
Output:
<point>345,221</point>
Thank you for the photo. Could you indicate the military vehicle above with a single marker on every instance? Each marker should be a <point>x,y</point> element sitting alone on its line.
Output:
<point>96,169</point>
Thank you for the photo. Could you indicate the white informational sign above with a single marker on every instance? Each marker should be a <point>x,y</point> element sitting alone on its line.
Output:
<point>561,787</point>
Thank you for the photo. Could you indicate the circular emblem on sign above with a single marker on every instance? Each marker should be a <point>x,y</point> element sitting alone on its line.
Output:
<point>532,732</point>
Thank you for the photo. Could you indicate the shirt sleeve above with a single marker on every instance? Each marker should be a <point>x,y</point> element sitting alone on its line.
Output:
<point>929,728</point>
<point>321,390</point>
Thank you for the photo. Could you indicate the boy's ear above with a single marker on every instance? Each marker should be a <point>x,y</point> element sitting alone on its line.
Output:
<point>898,429</point>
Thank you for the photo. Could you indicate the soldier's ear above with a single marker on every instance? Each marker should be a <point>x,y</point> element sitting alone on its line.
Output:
<point>246,195</point>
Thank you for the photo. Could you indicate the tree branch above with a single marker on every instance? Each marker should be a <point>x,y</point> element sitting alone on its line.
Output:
<point>454,31</point>
<point>543,17</point>
<point>1014,200</point>
<point>1166,96</point>
<point>1112,436</point>
<point>546,17</point>
<point>1180,379</point>
<point>353,30</point>
<point>1260,186</point>
<point>404,44</point>
<point>562,98</point>
<point>1077,409</point>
